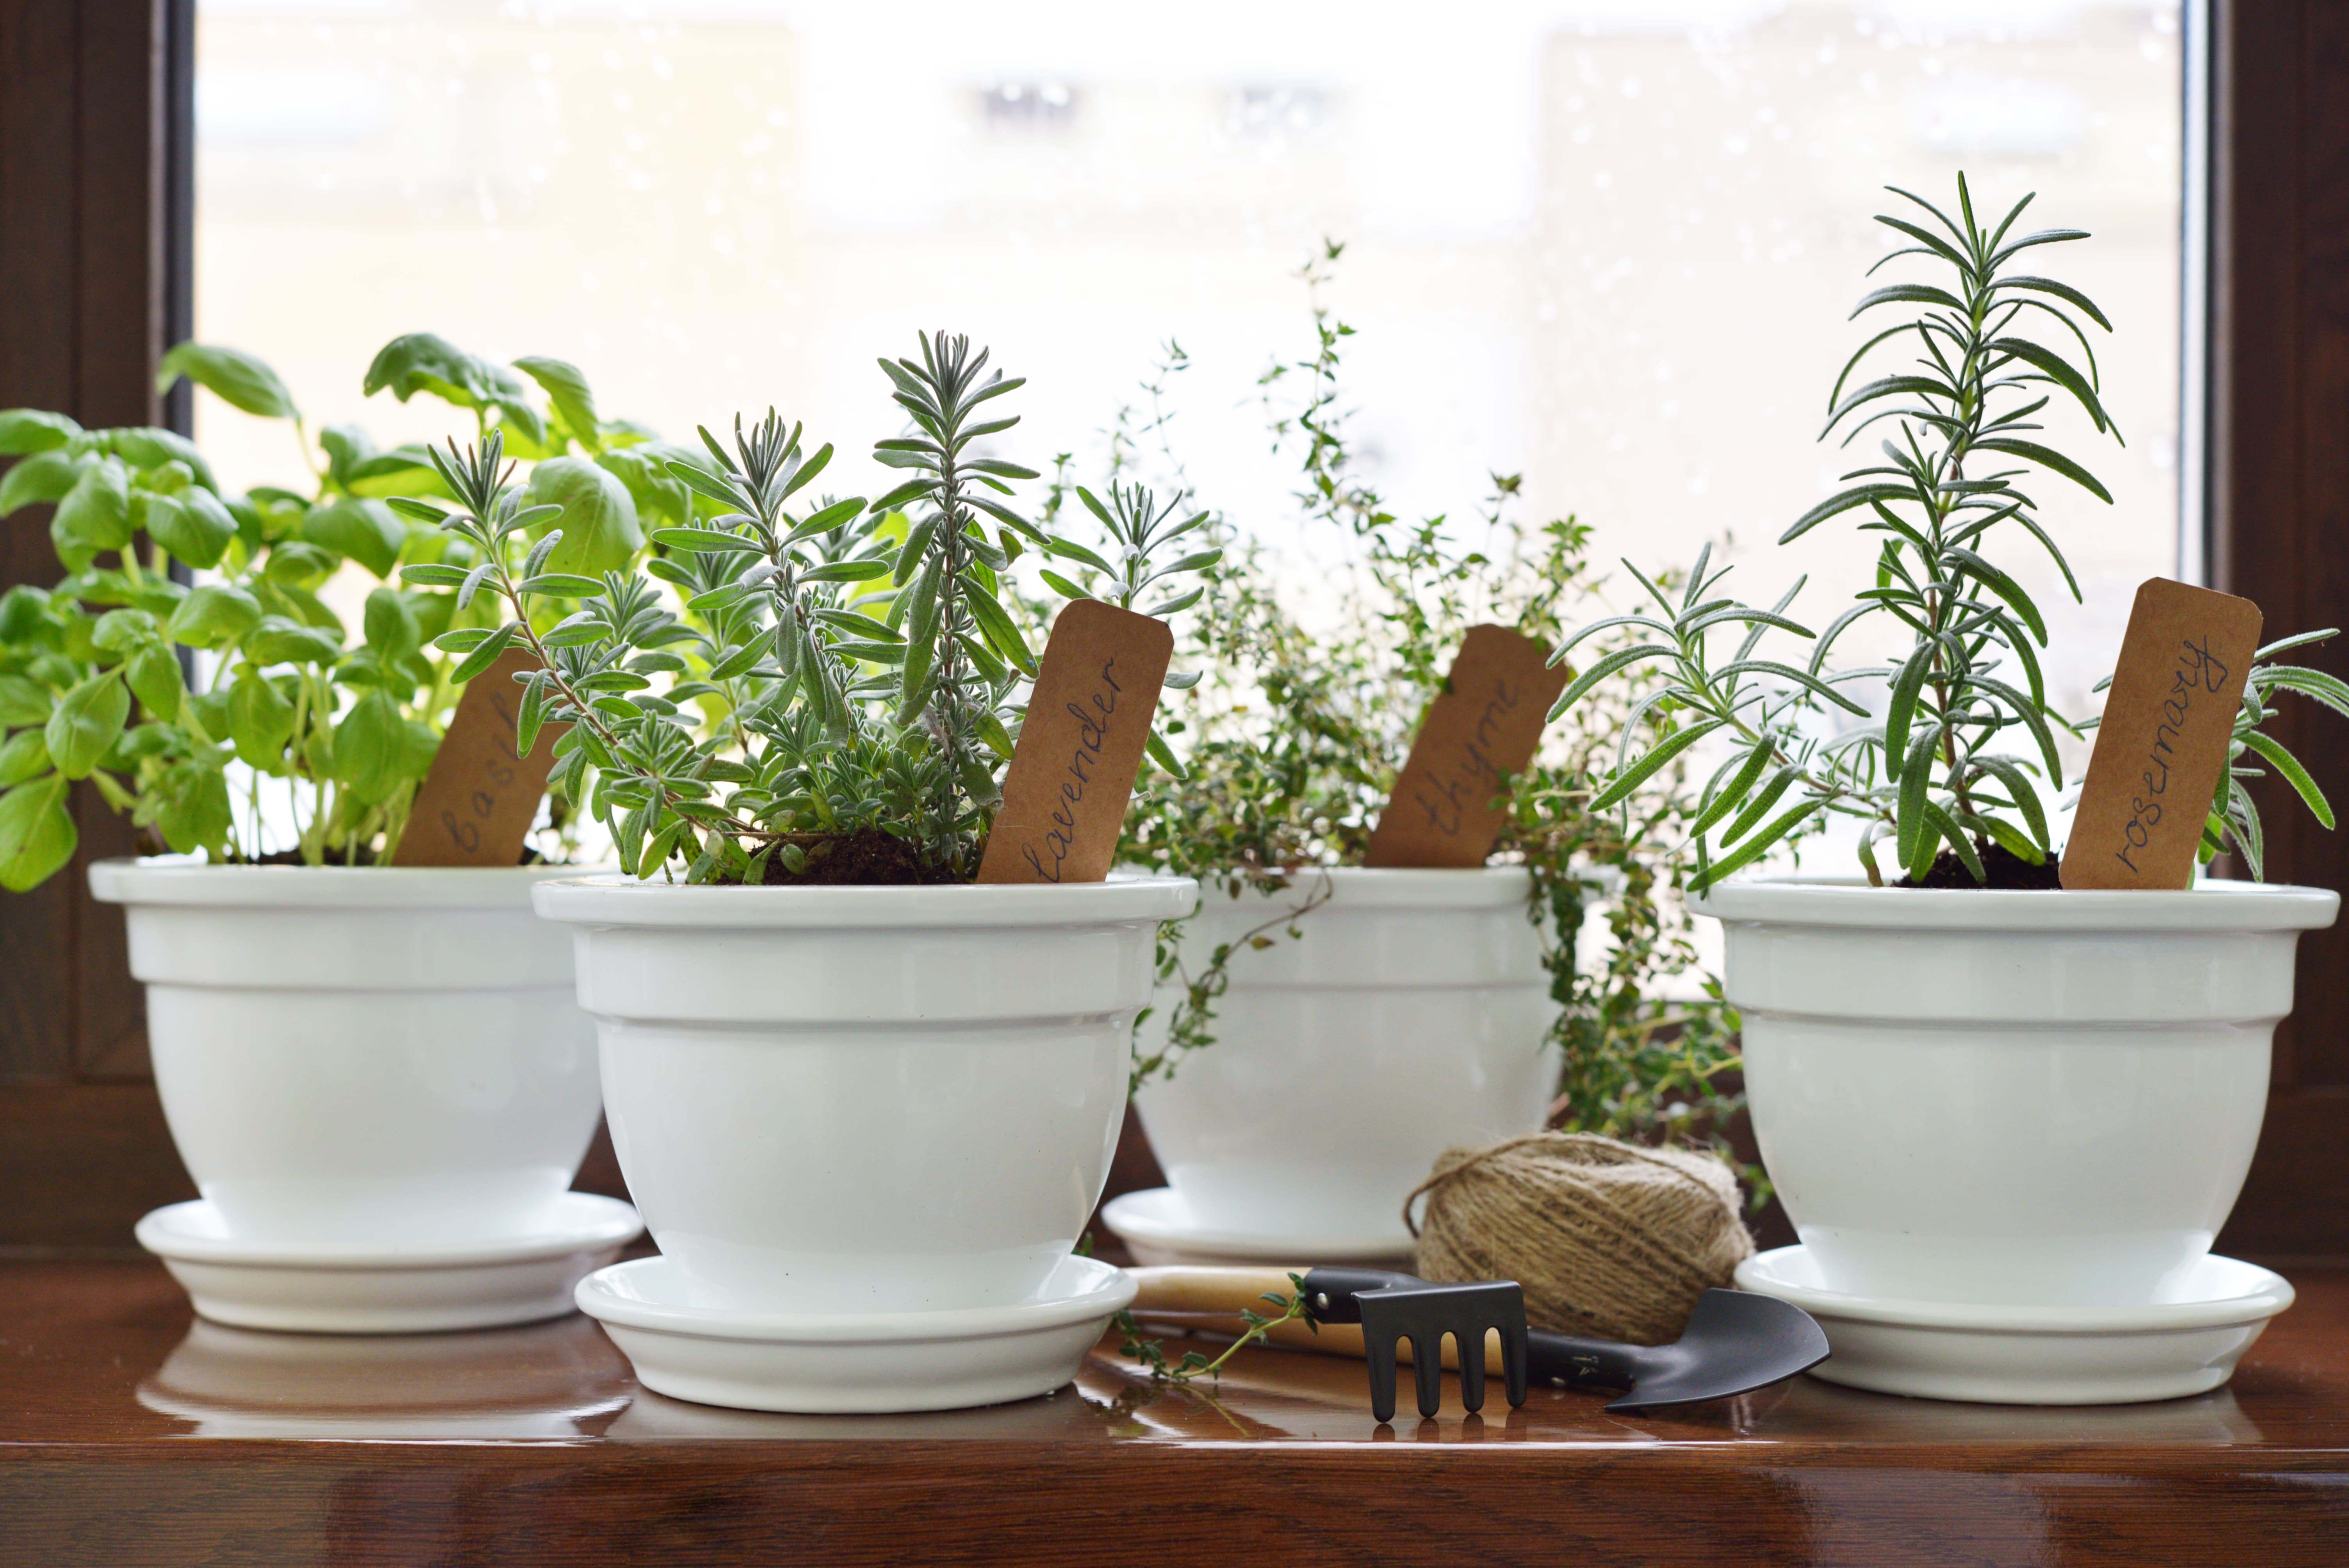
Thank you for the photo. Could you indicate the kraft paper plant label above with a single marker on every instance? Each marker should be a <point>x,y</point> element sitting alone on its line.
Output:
<point>1072,770</point>
<point>1485,726</point>
<point>2168,719</point>
<point>475,806</point>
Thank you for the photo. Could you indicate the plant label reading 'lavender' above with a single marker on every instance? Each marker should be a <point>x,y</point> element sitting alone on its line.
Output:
<point>1485,726</point>
<point>476,806</point>
<point>1072,774</point>
<point>2168,722</point>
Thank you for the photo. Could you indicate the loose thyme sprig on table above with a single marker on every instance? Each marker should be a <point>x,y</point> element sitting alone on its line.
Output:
<point>1192,1366</point>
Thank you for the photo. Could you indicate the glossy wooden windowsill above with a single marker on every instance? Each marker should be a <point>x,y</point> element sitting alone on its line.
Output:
<point>129,1433</point>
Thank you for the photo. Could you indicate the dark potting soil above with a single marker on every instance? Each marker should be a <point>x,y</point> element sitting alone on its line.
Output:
<point>865,858</point>
<point>365,857</point>
<point>2004,867</point>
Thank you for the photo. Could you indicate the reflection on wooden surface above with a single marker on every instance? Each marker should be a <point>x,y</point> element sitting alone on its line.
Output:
<point>131,1433</point>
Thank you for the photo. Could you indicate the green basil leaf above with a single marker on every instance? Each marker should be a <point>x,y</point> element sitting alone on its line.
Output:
<point>36,833</point>
<point>427,362</point>
<point>157,679</point>
<point>44,476</point>
<point>193,813</point>
<point>24,754</point>
<point>95,515</point>
<point>365,531</point>
<point>260,721</point>
<point>567,390</point>
<point>192,525</point>
<point>370,747</point>
<point>280,640</point>
<point>146,447</point>
<point>26,430</point>
<point>214,614</point>
<point>234,376</point>
<point>85,722</point>
<point>598,516</point>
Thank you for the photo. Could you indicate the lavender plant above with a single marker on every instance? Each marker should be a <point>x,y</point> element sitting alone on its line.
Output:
<point>836,688</point>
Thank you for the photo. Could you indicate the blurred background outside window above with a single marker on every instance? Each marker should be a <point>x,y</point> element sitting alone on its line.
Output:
<point>1608,245</point>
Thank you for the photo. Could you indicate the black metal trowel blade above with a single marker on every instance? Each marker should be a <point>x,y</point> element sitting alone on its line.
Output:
<point>1735,1342</point>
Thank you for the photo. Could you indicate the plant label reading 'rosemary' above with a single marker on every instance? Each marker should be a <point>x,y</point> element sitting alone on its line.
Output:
<point>2167,723</point>
<point>1485,726</point>
<point>476,806</point>
<point>1072,772</point>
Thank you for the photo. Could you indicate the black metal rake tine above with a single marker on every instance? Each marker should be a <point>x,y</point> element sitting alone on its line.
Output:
<point>1424,1314</point>
<point>1427,1371</point>
<point>1378,1350</point>
<point>1515,1344</point>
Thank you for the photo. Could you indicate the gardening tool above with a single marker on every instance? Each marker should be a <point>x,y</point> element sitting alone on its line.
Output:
<point>1734,1342</point>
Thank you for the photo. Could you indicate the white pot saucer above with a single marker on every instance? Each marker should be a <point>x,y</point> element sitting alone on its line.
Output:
<point>359,1289</point>
<point>825,1363</point>
<point>2032,1354</point>
<point>1157,1228</point>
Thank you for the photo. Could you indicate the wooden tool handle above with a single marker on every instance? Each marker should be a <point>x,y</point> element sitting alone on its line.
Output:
<point>1216,1298</point>
<point>1187,1292</point>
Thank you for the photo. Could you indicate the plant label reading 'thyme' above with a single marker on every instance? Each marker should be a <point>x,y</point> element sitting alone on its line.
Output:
<point>1484,727</point>
<point>475,806</point>
<point>2169,720</point>
<point>1072,771</point>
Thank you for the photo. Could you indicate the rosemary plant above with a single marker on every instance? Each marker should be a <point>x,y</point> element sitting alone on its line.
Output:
<point>1938,774</point>
<point>836,692</point>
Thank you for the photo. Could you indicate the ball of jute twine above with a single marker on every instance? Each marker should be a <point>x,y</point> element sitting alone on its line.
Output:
<point>1611,1241</point>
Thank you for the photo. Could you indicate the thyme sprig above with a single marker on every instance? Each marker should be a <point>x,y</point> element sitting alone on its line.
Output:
<point>1192,1365</point>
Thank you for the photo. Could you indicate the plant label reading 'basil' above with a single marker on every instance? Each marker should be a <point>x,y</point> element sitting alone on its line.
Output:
<point>1072,771</point>
<point>2169,720</point>
<point>475,806</point>
<point>1485,726</point>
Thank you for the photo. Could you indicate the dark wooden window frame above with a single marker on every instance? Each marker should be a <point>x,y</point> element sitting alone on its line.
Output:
<point>96,275</point>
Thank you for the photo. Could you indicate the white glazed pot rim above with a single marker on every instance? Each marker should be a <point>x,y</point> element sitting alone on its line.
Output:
<point>2214,905</point>
<point>172,881</point>
<point>1398,887</point>
<point>616,900</point>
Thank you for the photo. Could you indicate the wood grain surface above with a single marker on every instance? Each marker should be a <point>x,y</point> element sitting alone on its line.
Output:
<point>131,1435</point>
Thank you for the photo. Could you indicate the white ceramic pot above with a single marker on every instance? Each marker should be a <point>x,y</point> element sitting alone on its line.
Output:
<point>1410,1013</point>
<point>362,1055</point>
<point>2028,1098</point>
<point>864,1099</point>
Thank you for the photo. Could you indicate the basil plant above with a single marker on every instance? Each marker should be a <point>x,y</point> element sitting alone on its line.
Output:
<point>796,687</point>
<point>167,576</point>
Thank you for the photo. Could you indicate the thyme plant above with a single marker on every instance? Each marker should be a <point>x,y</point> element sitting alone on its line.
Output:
<point>834,687</point>
<point>181,701</point>
<point>1292,744</point>
<point>1952,770</point>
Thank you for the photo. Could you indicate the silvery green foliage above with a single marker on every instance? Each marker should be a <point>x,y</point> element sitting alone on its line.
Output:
<point>828,668</point>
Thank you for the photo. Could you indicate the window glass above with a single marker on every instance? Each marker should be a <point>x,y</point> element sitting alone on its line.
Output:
<point>1609,244</point>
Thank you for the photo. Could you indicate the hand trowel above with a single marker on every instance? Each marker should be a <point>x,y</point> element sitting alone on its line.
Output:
<point>1735,1342</point>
